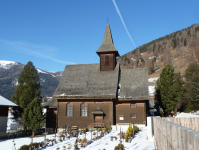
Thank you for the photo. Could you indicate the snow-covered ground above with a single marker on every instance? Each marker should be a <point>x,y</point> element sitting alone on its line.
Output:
<point>187,115</point>
<point>151,88</point>
<point>153,79</point>
<point>195,113</point>
<point>139,142</point>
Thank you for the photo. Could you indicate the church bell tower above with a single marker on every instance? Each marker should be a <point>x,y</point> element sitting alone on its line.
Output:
<point>107,51</point>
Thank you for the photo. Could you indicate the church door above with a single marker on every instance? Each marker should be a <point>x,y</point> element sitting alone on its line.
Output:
<point>98,120</point>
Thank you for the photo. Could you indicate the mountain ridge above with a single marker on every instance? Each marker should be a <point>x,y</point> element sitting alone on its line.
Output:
<point>10,71</point>
<point>179,48</point>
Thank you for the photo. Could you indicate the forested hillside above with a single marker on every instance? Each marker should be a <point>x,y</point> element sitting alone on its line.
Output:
<point>179,49</point>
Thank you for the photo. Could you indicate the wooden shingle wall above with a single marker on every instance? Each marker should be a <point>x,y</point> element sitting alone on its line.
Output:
<point>124,109</point>
<point>77,119</point>
<point>111,66</point>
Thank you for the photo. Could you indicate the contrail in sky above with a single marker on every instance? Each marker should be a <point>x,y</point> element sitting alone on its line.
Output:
<point>118,11</point>
<point>30,49</point>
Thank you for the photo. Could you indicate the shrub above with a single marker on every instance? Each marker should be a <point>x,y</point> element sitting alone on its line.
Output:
<point>94,133</point>
<point>83,141</point>
<point>83,131</point>
<point>82,144</point>
<point>129,130</point>
<point>75,145</point>
<point>136,129</point>
<point>127,137</point>
<point>118,147</point>
<point>24,147</point>
<point>99,129</point>
<point>161,113</point>
<point>106,129</point>
<point>36,145</point>
<point>87,129</point>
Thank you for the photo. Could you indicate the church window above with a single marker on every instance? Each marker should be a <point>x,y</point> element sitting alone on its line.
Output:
<point>69,110</point>
<point>121,117</point>
<point>133,115</point>
<point>133,105</point>
<point>106,60</point>
<point>84,109</point>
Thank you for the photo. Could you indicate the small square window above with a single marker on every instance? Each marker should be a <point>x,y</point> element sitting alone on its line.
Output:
<point>133,115</point>
<point>133,105</point>
<point>121,117</point>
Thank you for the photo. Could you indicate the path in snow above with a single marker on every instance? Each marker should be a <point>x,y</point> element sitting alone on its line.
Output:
<point>138,143</point>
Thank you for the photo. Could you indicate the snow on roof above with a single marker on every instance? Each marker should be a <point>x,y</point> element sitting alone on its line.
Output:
<point>6,102</point>
<point>7,64</point>
<point>153,79</point>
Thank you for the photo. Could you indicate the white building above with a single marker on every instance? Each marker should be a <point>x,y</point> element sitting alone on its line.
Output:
<point>4,105</point>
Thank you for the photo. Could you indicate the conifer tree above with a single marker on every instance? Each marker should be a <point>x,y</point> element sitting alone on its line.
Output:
<point>192,86</point>
<point>27,89</point>
<point>169,89</point>
<point>33,115</point>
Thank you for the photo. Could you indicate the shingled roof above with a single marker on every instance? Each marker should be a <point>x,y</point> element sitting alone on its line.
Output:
<point>134,84</point>
<point>107,44</point>
<point>98,110</point>
<point>87,81</point>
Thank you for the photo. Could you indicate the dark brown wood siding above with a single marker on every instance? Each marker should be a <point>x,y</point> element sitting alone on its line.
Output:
<point>103,61</point>
<point>125,109</point>
<point>3,111</point>
<point>77,119</point>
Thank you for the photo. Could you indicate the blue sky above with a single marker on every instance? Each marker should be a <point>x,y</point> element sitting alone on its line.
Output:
<point>53,34</point>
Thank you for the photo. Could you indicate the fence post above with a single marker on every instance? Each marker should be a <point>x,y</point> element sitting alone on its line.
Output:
<point>196,139</point>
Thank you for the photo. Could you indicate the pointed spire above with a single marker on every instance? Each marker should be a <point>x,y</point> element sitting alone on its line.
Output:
<point>107,44</point>
<point>107,35</point>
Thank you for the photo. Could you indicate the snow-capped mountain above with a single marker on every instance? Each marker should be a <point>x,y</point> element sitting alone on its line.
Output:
<point>7,64</point>
<point>10,71</point>
<point>52,73</point>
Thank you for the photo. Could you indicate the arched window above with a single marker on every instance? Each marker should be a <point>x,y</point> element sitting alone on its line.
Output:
<point>106,60</point>
<point>69,110</point>
<point>84,109</point>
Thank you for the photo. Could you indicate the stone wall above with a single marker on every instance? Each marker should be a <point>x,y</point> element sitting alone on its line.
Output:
<point>169,136</point>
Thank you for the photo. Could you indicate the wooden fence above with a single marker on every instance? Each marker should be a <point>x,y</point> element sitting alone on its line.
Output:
<point>21,133</point>
<point>170,136</point>
<point>192,123</point>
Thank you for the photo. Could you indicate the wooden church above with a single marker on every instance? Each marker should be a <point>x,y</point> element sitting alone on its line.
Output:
<point>100,94</point>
